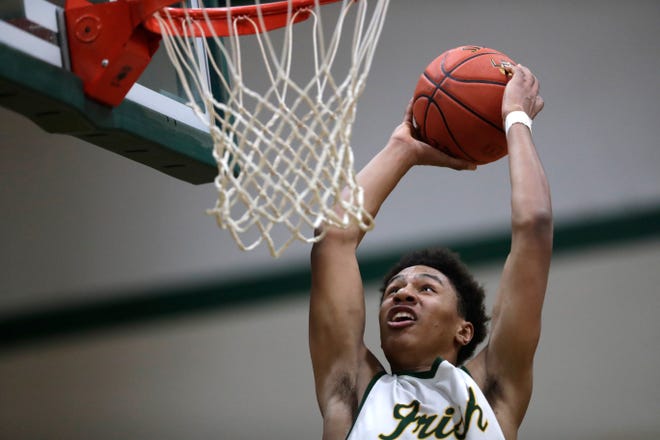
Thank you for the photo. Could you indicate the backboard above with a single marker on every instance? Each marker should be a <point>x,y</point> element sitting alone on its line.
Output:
<point>153,125</point>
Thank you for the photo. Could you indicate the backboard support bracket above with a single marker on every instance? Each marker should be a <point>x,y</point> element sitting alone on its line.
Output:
<point>109,48</point>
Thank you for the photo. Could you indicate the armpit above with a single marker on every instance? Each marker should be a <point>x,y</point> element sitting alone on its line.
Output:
<point>492,390</point>
<point>345,390</point>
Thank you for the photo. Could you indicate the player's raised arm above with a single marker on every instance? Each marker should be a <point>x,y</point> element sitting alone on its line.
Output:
<point>516,320</point>
<point>342,364</point>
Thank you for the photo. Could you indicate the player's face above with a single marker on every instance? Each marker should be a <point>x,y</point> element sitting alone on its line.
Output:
<point>419,312</point>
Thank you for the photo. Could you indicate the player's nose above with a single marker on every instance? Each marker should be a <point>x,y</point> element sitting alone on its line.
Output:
<point>405,295</point>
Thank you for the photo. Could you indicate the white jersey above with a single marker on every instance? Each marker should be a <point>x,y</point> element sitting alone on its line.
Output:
<point>442,403</point>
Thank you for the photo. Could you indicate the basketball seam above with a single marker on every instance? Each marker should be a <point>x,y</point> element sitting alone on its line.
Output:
<point>448,73</point>
<point>453,138</point>
<point>431,102</point>
<point>475,81</point>
<point>439,88</point>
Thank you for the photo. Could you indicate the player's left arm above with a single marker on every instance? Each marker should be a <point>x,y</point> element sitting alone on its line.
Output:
<point>507,361</point>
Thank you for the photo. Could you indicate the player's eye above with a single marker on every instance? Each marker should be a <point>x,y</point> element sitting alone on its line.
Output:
<point>427,288</point>
<point>386,294</point>
<point>392,290</point>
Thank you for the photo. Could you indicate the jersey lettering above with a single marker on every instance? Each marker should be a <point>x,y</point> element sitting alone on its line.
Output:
<point>433,425</point>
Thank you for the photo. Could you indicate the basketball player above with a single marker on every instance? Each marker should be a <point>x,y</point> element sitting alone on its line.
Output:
<point>428,306</point>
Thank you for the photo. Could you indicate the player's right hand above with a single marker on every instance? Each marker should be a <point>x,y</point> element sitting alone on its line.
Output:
<point>522,93</point>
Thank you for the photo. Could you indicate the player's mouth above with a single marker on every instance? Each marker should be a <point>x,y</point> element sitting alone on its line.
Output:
<point>401,317</point>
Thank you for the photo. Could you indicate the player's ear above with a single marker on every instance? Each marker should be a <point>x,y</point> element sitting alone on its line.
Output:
<point>465,333</point>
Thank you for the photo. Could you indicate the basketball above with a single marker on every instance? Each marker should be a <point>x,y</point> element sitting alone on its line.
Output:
<point>457,105</point>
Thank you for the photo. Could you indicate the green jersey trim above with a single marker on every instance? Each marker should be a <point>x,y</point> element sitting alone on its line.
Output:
<point>422,374</point>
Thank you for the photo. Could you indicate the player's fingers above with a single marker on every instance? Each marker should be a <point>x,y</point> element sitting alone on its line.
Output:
<point>527,75</point>
<point>429,155</point>
<point>534,83</point>
<point>408,115</point>
<point>519,72</point>
<point>522,76</point>
<point>458,164</point>
<point>539,103</point>
<point>463,165</point>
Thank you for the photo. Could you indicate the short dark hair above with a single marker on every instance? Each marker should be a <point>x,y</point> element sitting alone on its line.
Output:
<point>471,296</point>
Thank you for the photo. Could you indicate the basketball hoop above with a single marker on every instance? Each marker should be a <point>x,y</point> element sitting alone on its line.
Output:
<point>282,144</point>
<point>282,139</point>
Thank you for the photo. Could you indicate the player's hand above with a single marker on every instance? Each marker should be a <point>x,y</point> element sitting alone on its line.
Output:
<point>522,92</point>
<point>421,152</point>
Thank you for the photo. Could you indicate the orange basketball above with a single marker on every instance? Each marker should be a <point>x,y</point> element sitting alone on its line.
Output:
<point>458,103</point>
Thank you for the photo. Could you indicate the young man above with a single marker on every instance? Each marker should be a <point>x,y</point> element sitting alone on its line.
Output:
<point>431,315</point>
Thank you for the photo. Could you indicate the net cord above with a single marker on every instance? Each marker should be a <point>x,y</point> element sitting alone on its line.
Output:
<point>313,169</point>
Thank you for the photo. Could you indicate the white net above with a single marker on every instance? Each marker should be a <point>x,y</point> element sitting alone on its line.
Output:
<point>282,137</point>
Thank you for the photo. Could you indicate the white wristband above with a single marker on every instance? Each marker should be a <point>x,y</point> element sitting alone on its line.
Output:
<point>517,117</point>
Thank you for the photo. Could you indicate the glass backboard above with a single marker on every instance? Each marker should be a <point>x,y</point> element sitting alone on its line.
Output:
<point>153,125</point>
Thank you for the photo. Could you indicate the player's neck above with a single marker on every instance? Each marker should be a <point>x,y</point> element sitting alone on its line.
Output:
<point>416,363</point>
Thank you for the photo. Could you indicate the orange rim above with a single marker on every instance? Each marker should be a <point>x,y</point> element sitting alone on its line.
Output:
<point>241,20</point>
